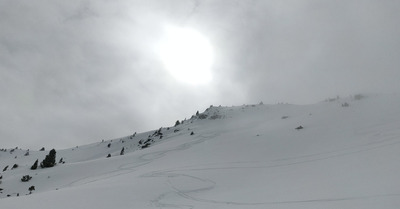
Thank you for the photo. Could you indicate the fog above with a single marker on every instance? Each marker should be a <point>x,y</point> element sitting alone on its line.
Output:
<point>76,72</point>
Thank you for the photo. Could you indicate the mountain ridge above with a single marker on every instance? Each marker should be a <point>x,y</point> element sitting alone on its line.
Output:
<point>326,163</point>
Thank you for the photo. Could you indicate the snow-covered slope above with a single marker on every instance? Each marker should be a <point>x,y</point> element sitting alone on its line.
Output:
<point>250,156</point>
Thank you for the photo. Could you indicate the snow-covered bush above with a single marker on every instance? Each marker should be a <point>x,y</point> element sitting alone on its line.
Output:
<point>358,96</point>
<point>299,127</point>
<point>215,116</point>
<point>26,178</point>
<point>30,189</point>
<point>202,116</point>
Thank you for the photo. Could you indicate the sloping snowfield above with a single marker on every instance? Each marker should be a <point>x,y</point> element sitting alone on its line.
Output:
<point>238,157</point>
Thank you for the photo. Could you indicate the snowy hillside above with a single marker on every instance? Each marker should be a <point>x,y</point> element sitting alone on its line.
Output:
<point>341,153</point>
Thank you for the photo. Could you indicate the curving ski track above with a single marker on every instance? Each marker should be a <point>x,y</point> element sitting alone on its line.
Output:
<point>208,184</point>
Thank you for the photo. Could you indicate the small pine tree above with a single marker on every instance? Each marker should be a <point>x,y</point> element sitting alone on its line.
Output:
<point>197,113</point>
<point>109,155</point>
<point>177,123</point>
<point>299,128</point>
<point>159,130</point>
<point>50,160</point>
<point>31,188</point>
<point>109,145</point>
<point>26,178</point>
<point>122,151</point>
<point>35,165</point>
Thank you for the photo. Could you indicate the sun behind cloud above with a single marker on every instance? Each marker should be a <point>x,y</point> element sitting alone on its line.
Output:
<point>187,55</point>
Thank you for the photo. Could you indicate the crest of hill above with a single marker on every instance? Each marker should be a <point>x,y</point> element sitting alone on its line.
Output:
<point>270,129</point>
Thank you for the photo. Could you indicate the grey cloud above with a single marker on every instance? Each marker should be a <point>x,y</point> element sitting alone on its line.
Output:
<point>73,72</point>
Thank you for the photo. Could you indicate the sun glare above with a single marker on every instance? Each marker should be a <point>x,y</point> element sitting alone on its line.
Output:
<point>187,55</point>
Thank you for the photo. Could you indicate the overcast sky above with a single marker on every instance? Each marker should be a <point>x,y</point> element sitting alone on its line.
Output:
<point>79,71</point>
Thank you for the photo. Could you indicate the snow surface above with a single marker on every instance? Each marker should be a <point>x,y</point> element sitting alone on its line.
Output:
<point>249,156</point>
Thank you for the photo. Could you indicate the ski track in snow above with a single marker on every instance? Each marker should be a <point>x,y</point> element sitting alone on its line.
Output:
<point>386,138</point>
<point>207,184</point>
<point>131,167</point>
<point>390,140</point>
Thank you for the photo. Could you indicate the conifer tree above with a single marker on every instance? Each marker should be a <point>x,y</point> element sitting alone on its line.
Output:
<point>122,151</point>
<point>35,165</point>
<point>14,166</point>
<point>50,160</point>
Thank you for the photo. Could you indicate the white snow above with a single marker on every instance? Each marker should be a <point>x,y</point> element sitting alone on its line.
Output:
<point>247,157</point>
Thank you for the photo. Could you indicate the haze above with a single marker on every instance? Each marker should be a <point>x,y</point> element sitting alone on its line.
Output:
<point>75,72</point>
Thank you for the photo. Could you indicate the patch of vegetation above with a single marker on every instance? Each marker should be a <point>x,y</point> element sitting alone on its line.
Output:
<point>359,97</point>
<point>35,165</point>
<point>50,160</point>
<point>26,178</point>
<point>14,166</point>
